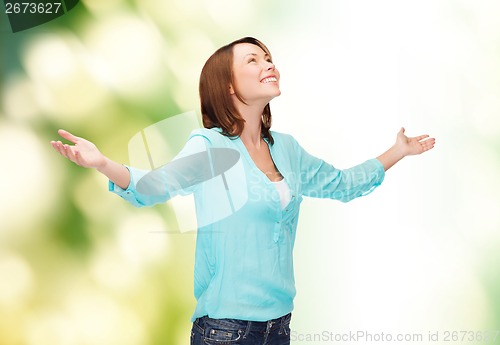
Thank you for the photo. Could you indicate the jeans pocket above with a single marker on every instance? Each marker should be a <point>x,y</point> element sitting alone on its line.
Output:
<point>222,336</point>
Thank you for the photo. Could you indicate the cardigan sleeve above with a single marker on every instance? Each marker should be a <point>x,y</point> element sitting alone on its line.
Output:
<point>322,180</point>
<point>181,176</point>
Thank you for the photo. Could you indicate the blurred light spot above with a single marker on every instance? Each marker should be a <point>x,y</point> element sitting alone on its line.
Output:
<point>50,58</point>
<point>228,14</point>
<point>98,70</point>
<point>17,280</point>
<point>19,99</point>
<point>110,270</point>
<point>50,328</point>
<point>64,85</point>
<point>142,238</point>
<point>98,320</point>
<point>91,196</point>
<point>186,60</point>
<point>186,7</point>
<point>174,16</point>
<point>27,183</point>
<point>88,318</point>
<point>128,53</point>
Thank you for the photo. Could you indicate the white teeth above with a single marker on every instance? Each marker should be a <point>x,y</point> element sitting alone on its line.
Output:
<point>270,79</point>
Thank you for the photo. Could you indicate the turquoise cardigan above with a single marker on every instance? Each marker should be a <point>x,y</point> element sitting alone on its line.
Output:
<point>244,263</point>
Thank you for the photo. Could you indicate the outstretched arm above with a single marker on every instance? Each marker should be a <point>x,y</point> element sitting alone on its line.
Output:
<point>87,155</point>
<point>405,146</point>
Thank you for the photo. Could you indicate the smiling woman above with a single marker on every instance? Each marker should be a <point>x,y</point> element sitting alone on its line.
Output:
<point>244,278</point>
<point>253,64</point>
<point>236,67</point>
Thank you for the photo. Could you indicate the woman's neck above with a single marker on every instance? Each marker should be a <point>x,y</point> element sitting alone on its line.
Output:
<point>252,130</point>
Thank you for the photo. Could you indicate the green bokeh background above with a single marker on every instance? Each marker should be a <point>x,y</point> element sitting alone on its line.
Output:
<point>421,254</point>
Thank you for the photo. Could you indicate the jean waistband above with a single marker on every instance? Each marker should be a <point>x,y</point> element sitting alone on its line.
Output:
<point>236,324</point>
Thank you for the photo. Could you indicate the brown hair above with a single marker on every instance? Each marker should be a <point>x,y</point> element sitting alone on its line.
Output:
<point>217,107</point>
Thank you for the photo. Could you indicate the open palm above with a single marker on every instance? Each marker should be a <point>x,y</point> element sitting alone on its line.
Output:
<point>413,145</point>
<point>83,152</point>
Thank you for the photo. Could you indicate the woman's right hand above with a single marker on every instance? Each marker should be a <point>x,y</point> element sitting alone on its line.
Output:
<point>83,152</point>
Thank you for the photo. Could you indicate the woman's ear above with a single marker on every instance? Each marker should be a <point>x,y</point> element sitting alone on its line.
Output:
<point>231,89</point>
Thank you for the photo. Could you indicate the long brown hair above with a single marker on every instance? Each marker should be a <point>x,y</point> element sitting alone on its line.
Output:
<point>217,107</point>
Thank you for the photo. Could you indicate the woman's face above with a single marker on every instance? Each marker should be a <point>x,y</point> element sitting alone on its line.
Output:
<point>254,75</point>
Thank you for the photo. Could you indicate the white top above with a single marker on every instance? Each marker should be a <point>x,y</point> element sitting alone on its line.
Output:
<point>284,192</point>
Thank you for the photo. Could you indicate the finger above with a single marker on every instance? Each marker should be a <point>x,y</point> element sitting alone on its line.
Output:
<point>68,136</point>
<point>54,145</point>
<point>59,147</point>
<point>421,137</point>
<point>71,152</point>
<point>65,150</point>
<point>428,144</point>
<point>428,141</point>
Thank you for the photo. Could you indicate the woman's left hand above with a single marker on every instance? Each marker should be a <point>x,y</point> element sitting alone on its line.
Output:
<point>405,146</point>
<point>409,146</point>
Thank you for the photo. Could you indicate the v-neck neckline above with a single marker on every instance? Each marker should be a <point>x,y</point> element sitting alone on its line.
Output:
<point>252,162</point>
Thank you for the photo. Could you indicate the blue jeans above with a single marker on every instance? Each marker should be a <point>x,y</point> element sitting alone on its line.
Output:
<point>208,331</point>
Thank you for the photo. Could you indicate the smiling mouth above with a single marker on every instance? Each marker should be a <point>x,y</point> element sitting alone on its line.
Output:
<point>269,80</point>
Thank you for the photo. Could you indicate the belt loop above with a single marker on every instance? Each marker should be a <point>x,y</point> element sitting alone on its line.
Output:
<point>282,326</point>
<point>269,326</point>
<point>247,330</point>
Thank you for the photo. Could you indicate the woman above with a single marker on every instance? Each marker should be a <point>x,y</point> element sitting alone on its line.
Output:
<point>244,283</point>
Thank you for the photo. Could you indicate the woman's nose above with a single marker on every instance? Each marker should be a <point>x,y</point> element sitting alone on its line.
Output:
<point>270,66</point>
